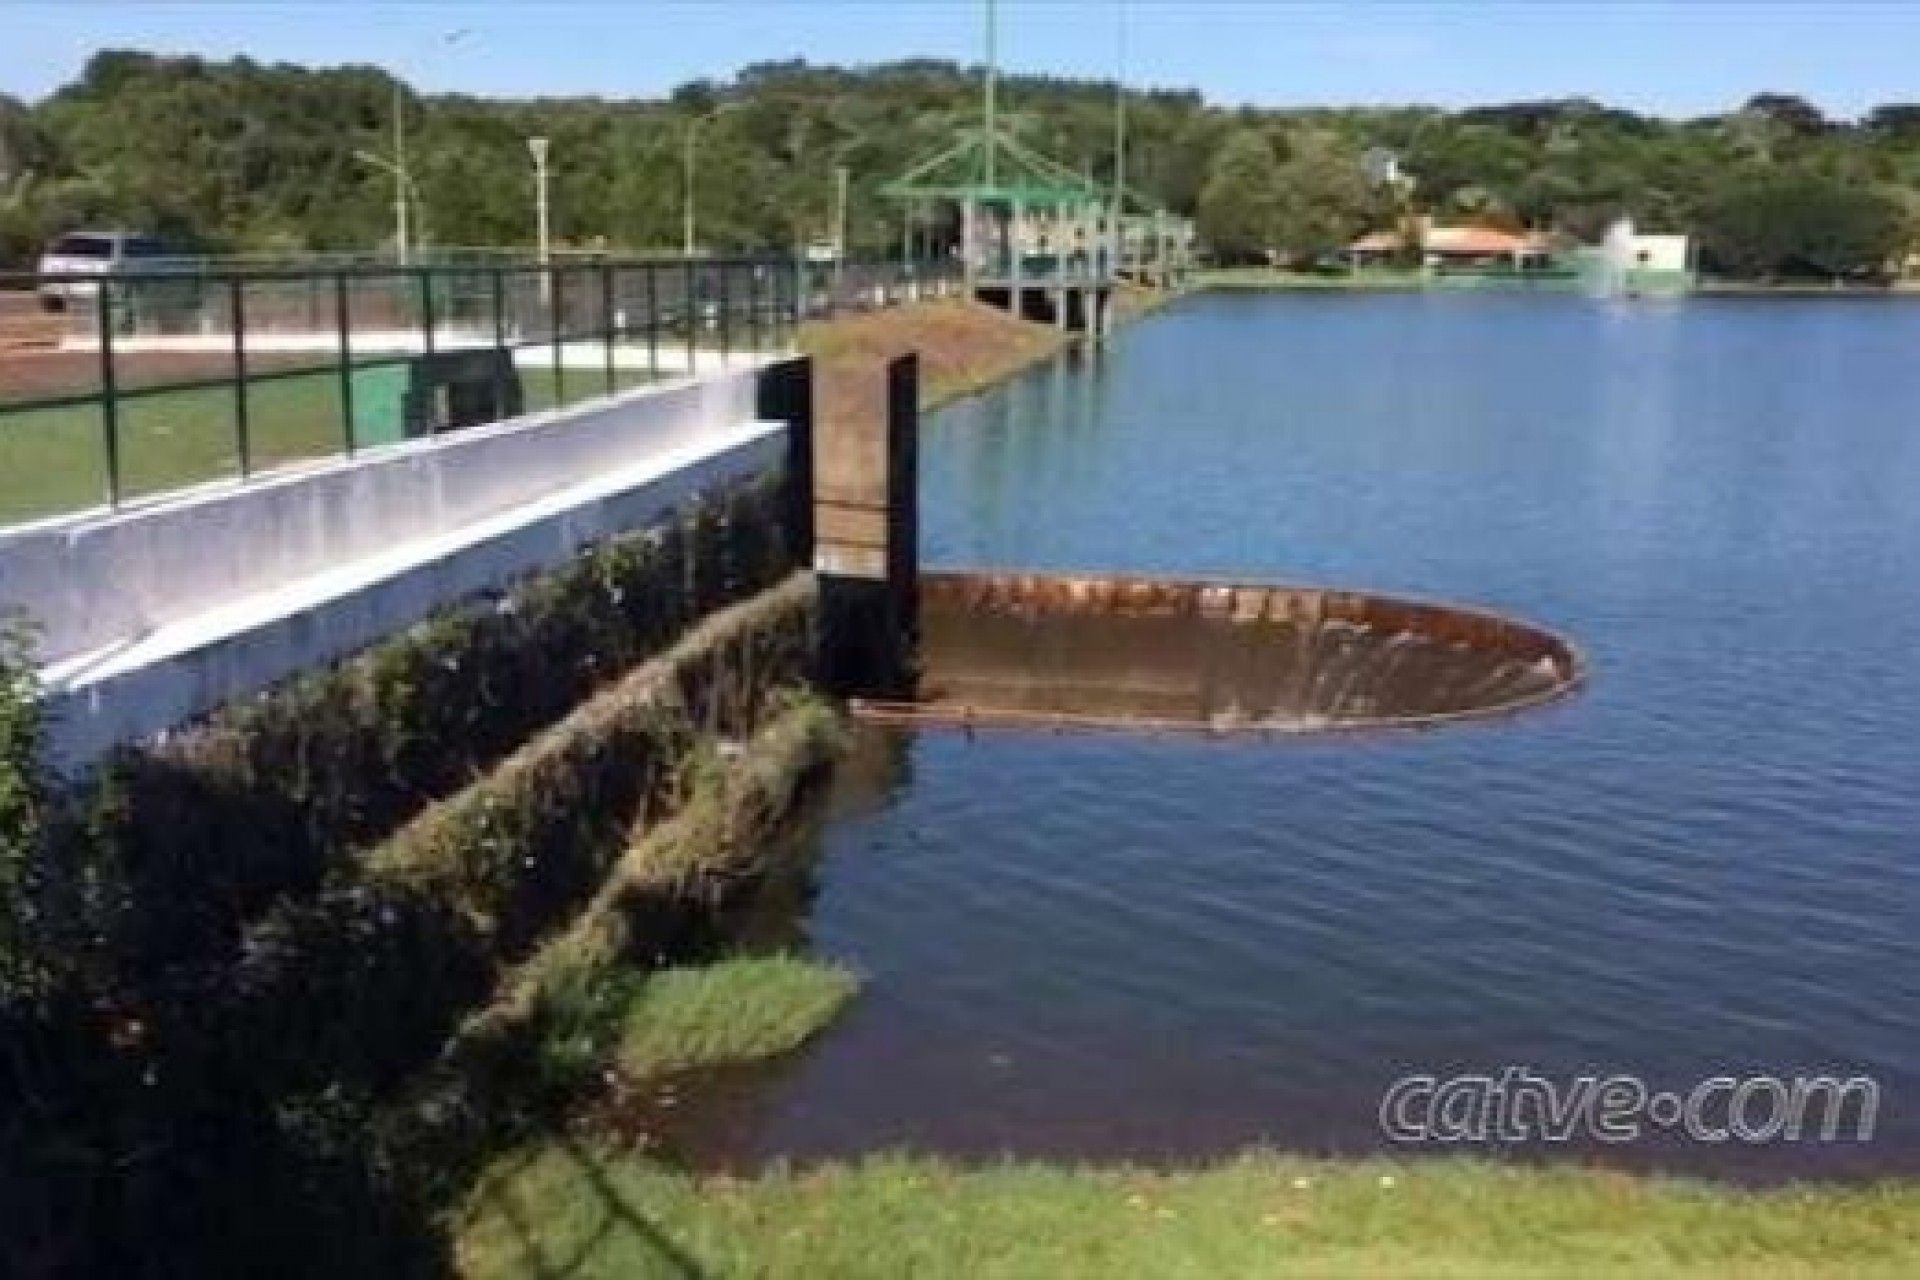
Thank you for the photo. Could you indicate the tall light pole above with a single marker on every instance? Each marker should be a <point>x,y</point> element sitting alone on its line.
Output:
<point>686,189</point>
<point>1120,147</point>
<point>403,182</point>
<point>538,149</point>
<point>402,201</point>
<point>840,175</point>
<point>690,141</point>
<point>404,192</point>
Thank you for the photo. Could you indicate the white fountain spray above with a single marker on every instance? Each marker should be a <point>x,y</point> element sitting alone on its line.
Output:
<point>1616,259</point>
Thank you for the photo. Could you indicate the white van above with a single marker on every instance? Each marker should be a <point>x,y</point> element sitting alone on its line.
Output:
<point>91,253</point>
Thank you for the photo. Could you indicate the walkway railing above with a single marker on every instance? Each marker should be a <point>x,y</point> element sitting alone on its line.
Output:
<point>163,379</point>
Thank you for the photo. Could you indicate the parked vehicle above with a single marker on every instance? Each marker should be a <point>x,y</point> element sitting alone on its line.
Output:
<point>91,253</point>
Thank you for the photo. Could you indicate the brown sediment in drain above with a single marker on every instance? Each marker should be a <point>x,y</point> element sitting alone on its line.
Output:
<point>1152,653</point>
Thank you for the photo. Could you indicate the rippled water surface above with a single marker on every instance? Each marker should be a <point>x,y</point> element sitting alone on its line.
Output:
<point>1707,863</point>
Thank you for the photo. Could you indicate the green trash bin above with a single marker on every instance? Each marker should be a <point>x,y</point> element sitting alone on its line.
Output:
<point>380,404</point>
<point>426,395</point>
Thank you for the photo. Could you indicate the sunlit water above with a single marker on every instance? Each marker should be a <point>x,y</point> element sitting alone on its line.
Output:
<point>1708,863</point>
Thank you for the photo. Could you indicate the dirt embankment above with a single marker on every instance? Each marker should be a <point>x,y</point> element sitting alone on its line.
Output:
<point>24,324</point>
<point>964,347</point>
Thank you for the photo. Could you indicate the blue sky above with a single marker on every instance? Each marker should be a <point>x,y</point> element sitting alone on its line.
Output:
<point>1683,58</point>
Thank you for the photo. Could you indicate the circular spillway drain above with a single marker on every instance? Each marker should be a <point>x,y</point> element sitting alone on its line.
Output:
<point>1156,654</point>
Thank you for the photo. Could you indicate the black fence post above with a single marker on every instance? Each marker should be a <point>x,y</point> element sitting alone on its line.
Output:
<point>242,426</point>
<point>726,314</point>
<point>343,320</point>
<point>426,311</point>
<point>653,324</point>
<point>606,320</point>
<point>690,315</point>
<point>501,359</point>
<point>556,307</point>
<point>753,307</point>
<point>109,392</point>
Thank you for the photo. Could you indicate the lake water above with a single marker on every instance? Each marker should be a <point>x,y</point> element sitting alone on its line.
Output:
<point>1706,864</point>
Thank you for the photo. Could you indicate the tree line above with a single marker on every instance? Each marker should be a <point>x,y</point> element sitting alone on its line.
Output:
<point>236,155</point>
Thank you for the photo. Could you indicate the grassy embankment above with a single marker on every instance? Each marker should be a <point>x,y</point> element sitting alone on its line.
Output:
<point>581,1205</point>
<point>569,1206</point>
<point>1255,278</point>
<point>965,347</point>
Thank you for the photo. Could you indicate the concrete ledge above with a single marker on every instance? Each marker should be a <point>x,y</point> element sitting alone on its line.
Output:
<point>102,581</point>
<point>185,669</point>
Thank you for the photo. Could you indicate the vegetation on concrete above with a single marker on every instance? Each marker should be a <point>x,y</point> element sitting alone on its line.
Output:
<point>617,1214</point>
<point>554,1022</point>
<point>23,803</point>
<point>228,998</point>
<point>738,1010</point>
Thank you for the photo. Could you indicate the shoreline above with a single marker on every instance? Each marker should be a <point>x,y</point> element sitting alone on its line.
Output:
<point>1262,280</point>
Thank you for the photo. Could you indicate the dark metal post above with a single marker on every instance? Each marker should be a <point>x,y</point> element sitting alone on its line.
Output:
<point>109,392</point>
<point>426,311</point>
<point>690,314</point>
<point>726,314</point>
<point>343,319</point>
<point>502,357</point>
<point>606,319</point>
<point>242,427</point>
<point>753,306</point>
<point>556,307</point>
<point>653,324</point>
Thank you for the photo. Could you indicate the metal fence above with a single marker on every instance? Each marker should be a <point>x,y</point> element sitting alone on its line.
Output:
<point>163,379</point>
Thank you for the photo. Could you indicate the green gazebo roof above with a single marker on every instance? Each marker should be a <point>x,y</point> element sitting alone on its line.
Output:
<point>994,168</point>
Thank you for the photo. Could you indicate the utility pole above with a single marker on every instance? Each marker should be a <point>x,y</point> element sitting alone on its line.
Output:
<point>538,148</point>
<point>839,226</point>
<point>992,121</point>
<point>686,201</point>
<point>404,192</point>
<point>401,197</point>
<point>1120,146</point>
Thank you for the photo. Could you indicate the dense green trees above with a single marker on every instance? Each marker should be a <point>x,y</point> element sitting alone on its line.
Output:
<point>1239,203</point>
<point>1788,223</point>
<point>239,155</point>
<point>1314,200</point>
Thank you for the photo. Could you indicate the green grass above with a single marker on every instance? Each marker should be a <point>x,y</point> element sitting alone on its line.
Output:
<point>569,1208</point>
<point>738,1010</point>
<point>1270,278</point>
<point>54,460</point>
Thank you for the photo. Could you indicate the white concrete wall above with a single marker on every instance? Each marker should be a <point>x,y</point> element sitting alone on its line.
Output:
<point>154,615</point>
<point>1660,253</point>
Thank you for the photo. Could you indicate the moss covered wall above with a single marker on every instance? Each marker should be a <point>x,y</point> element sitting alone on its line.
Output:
<point>268,925</point>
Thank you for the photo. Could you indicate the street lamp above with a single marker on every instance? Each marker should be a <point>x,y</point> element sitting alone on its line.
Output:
<point>403,182</point>
<point>404,191</point>
<point>689,143</point>
<point>538,149</point>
